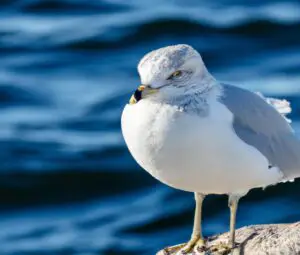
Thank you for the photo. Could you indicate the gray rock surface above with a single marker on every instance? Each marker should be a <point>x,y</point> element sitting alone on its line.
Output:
<point>281,239</point>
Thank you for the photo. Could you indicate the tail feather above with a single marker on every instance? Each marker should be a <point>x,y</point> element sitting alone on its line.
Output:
<point>281,105</point>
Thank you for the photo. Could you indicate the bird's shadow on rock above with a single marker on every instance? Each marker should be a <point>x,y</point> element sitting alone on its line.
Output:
<point>243,244</point>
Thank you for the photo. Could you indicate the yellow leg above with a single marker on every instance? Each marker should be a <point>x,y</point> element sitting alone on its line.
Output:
<point>233,205</point>
<point>197,228</point>
<point>197,237</point>
<point>226,248</point>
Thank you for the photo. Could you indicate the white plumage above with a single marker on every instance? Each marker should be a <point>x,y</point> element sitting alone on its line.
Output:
<point>192,153</point>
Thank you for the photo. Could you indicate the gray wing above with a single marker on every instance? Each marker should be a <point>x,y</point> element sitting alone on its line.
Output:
<point>259,124</point>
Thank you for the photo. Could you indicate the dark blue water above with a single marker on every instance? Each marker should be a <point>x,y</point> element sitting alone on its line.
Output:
<point>68,185</point>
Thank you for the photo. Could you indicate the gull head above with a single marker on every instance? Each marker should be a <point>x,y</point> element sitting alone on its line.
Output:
<point>170,72</point>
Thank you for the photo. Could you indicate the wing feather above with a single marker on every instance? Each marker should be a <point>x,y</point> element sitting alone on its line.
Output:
<point>260,125</point>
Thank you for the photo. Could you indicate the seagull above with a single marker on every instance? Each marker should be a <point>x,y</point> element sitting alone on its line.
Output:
<point>196,134</point>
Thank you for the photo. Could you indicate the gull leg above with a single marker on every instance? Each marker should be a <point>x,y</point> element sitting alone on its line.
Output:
<point>233,205</point>
<point>225,248</point>
<point>197,237</point>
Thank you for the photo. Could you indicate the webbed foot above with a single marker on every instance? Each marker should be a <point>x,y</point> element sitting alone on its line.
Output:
<point>195,244</point>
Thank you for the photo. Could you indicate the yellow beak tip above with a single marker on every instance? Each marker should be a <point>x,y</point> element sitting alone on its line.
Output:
<point>141,88</point>
<point>132,100</point>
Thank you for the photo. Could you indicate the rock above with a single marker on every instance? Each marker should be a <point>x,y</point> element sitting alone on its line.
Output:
<point>281,239</point>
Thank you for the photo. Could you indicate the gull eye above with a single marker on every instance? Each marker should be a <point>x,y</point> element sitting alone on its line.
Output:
<point>176,74</point>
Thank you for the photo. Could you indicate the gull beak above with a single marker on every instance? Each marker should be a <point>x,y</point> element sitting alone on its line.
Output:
<point>141,92</point>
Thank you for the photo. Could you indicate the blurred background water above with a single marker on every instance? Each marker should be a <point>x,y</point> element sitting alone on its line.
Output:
<point>68,185</point>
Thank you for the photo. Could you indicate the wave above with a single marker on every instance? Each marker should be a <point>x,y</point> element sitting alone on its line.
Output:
<point>20,189</point>
<point>11,96</point>
<point>138,32</point>
<point>143,32</point>
<point>64,7</point>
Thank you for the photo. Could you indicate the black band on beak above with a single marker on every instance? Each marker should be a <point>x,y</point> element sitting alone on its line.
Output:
<point>137,95</point>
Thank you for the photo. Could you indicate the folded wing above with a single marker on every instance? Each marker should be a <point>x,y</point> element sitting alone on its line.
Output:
<point>259,124</point>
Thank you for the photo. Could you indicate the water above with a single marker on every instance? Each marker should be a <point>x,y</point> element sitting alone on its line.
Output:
<point>68,184</point>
